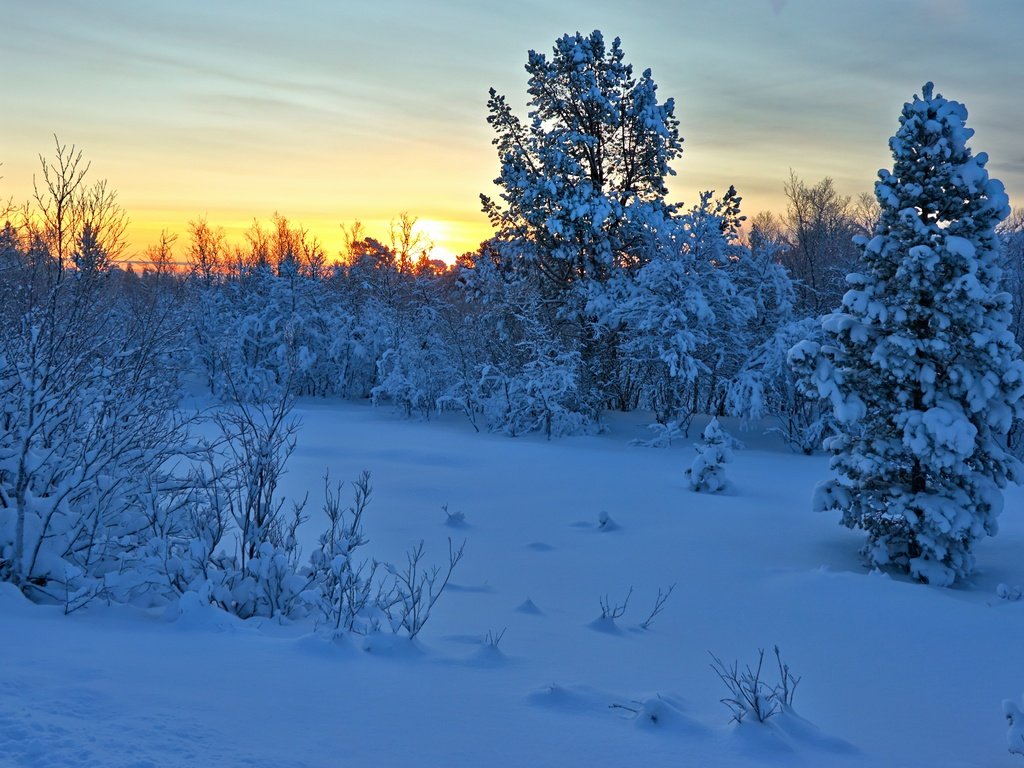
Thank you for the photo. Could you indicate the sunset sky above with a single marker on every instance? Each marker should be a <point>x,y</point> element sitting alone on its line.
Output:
<point>329,111</point>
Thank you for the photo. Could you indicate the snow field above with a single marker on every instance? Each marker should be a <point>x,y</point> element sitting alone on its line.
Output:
<point>893,673</point>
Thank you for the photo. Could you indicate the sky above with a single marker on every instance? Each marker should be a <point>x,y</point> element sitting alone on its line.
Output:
<point>329,111</point>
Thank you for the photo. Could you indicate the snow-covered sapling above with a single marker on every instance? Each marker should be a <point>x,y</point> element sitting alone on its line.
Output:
<point>416,589</point>
<point>751,695</point>
<point>493,639</point>
<point>346,587</point>
<point>611,612</point>
<point>1015,720</point>
<point>706,473</point>
<point>659,605</point>
<point>664,434</point>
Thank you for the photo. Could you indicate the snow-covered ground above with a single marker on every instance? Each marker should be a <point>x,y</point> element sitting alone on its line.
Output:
<point>892,673</point>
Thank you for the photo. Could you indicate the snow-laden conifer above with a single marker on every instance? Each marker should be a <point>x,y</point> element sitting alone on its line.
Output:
<point>707,472</point>
<point>919,365</point>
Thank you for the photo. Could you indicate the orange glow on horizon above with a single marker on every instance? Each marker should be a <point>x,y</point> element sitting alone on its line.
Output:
<point>449,237</point>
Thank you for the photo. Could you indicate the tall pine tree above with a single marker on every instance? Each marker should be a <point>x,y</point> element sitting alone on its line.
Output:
<point>922,372</point>
<point>582,190</point>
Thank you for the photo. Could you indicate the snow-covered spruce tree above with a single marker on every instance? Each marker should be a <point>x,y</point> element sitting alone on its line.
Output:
<point>706,473</point>
<point>922,372</point>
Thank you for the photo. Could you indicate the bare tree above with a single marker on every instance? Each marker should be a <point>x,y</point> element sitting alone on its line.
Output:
<point>56,200</point>
<point>88,426</point>
<point>259,246</point>
<point>819,225</point>
<point>77,222</point>
<point>206,251</point>
<point>408,244</point>
<point>104,217</point>
<point>7,207</point>
<point>161,255</point>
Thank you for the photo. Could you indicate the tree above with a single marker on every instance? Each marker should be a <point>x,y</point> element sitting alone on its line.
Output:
<point>678,316</point>
<point>820,224</point>
<point>766,386</point>
<point>77,223</point>
<point>56,200</point>
<point>582,185</point>
<point>1011,233</point>
<point>706,473</point>
<point>206,251</point>
<point>89,428</point>
<point>597,149</point>
<point>922,372</point>
<point>161,255</point>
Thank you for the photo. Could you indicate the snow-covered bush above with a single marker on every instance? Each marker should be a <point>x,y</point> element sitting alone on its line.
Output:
<point>416,369</point>
<point>349,597</point>
<point>258,439</point>
<point>919,366</point>
<point>707,472</point>
<point>1006,592</point>
<point>526,372</point>
<point>262,331</point>
<point>88,423</point>
<point>1015,730</point>
<point>766,386</point>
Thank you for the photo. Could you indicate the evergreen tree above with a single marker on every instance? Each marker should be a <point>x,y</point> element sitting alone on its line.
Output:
<point>921,369</point>
<point>582,188</point>
<point>591,161</point>
<point>707,473</point>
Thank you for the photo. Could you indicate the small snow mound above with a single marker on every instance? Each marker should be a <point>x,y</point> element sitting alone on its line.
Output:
<point>803,733</point>
<point>192,611</point>
<point>540,546</point>
<point>324,646</point>
<point>13,601</point>
<point>663,714</point>
<point>606,625</point>
<point>530,607</point>
<point>570,699</point>
<point>1006,592</point>
<point>785,735</point>
<point>455,519</point>
<point>488,655</point>
<point>390,645</point>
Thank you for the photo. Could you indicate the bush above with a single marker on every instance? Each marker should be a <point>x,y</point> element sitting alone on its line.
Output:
<point>749,694</point>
